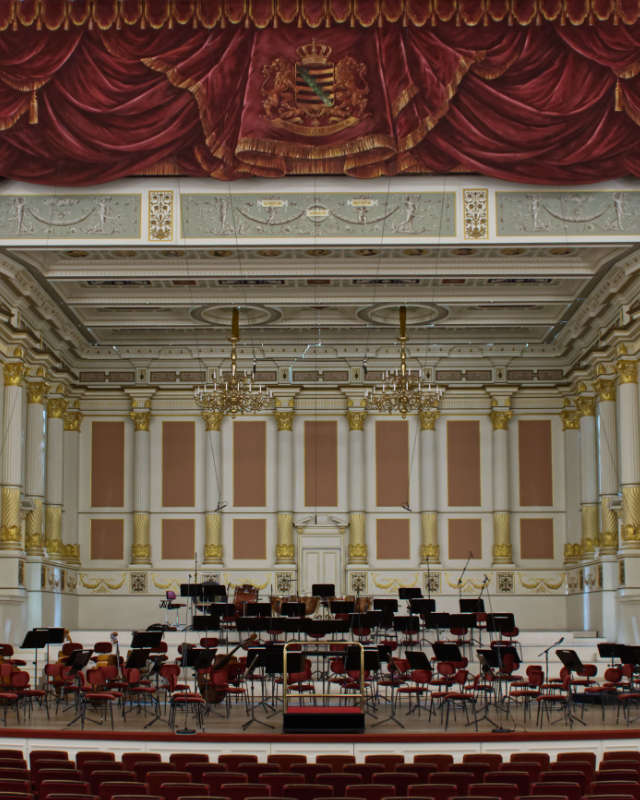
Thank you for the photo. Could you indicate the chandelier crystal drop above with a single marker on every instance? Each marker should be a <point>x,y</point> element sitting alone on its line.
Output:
<point>237,394</point>
<point>402,390</point>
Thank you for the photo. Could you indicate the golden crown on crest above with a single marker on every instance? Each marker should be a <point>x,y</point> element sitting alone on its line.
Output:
<point>314,53</point>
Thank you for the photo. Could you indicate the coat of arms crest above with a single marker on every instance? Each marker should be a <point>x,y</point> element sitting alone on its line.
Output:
<point>314,96</point>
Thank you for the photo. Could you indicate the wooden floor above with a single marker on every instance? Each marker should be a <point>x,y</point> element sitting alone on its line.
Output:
<point>268,727</point>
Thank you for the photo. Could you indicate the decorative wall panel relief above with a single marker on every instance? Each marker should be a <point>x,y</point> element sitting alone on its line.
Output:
<point>391,582</point>
<point>432,582</point>
<point>505,582</point>
<point>476,213</point>
<point>326,214</point>
<point>160,215</point>
<point>164,582</point>
<point>542,584</point>
<point>66,216</point>
<point>359,582</point>
<point>241,579</point>
<point>468,585</point>
<point>72,580</point>
<point>571,213</point>
<point>138,582</point>
<point>102,585</point>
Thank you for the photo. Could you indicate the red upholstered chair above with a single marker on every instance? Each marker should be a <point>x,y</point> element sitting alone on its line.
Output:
<point>504,791</point>
<point>35,756</point>
<point>615,755</point>
<point>215,780</point>
<point>532,768</point>
<point>568,775</point>
<point>387,761</point>
<point>371,791</point>
<point>340,780</point>
<point>541,758</point>
<point>82,756</point>
<point>421,770</point>
<point>253,770</point>
<point>630,775</point>
<point>442,760</point>
<point>336,762</point>
<point>47,788</point>
<point>15,773</point>
<point>231,760</point>
<point>241,791</point>
<point>15,785</point>
<point>433,791</point>
<point>607,797</point>
<point>571,791</point>
<point>174,791</point>
<point>144,768</point>
<point>129,760</point>
<point>493,759</point>
<point>276,781</point>
<point>97,778</point>
<point>179,760</point>
<point>307,791</point>
<point>520,779</point>
<point>314,772</point>
<point>286,760</point>
<point>111,789</point>
<point>616,787</point>
<point>157,779</point>
<point>88,767</point>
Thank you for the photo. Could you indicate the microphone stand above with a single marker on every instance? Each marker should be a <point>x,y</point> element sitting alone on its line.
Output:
<point>545,653</point>
<point>464,569</point>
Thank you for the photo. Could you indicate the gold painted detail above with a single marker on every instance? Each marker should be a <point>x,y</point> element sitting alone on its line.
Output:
<point>606,390</point>
<point>586,405</point>
<point>627,371</point>
<point>10,535</point>
<point>428,419</point>
<point>140,548</point>
<point>357,550</point>
<point>395,583</point>
<point>141,420</point>
<point>468,585</point>
<point>285,553</point>
<point>430,553</point>
<point>13,373</point>
<point>171,583</point>
<point>358,553</point>
<point>542,585</point>
<point>356,420</point>
<point>160,215</point>
<point>570,419</point>
<point>241,580</point>
<point>500,420</point>
<point>589,515</point>
<point>102,585</point>
<point>572,552</point>
<point>631,516</point>
<point>502,550</point>
<point>212,420</point>
<point>34,540</point>
<point>314,96</point>
<point>53,530</point>
<point>73,417</point>
<point>36,391</point>
<point>213,538</point>
<point>429,549</point>
<point>72,553</point>
<point>284,420</point>
<point>476,213</point>
<point>608,536</point>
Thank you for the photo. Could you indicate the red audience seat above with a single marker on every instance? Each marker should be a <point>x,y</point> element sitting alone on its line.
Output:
<point>252,770</point>
<point>276,781</point>
<point>434,791</point>
<point>616,787</point>
<point>461,780</point>
<point>310,772</point>
<point>231,760</point>
<point>286,760</point>
<point>241,791</point>
<point>519,778</point>
<point>388,761</point>
<point>541,758</point>
<point>532,768</point>
<point>371,791</point>
<point>494,759</point>
<point>111,789</point>
<point>180,760</point>
<point>129,760</point>
<point>336,762</point>
<point>442,760</point>
<point>215,780</point>
<point>82,756</point>
<point>175,791</point>
<point>583,755</point>
<point>504,791</point>
<point>306,791</point>
<point>340,780</point>
<point>571,791</point>
<point>157,779</point>
<point>614,755</point>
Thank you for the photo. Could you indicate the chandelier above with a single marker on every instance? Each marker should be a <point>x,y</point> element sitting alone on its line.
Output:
<point>237,394</point>
<point>402,390</point>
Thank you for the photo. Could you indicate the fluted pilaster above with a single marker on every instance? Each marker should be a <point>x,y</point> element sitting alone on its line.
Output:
<point>35,449</point>
<point>12,432</point>
<point>56,407</point>
<point>586,407</point>
<point>629,449</point>
<point>140,414</point>
<point>607,464</point>
<point>71,446</point>
<point>357,552</point>
<point>502,547</point>
<point>429,545</point>
<point>213,550</point>
<point>284,416</point>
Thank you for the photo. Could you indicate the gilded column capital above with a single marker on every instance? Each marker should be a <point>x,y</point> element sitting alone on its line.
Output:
<point>73,418</point>
<point>586,405</point>
<point>570,419</point>
<point>56,406</point>
<point>37,391</point>
<point>627,370</point>
<point>13,373</point>
<point>140,413</point>
<point>606,389</point>
<point>284,420</point>
<point>572,552</point>
<point>72,553</point>
<point>500,419</point>
<point>428,419</point>
<point>356,420</point>
<point>212,420</point>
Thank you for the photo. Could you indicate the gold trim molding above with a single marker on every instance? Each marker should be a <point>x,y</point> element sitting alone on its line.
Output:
<point>428,419</point>
<point>284,420</point>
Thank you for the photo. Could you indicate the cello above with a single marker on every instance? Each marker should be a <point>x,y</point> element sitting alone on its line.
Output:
<point>215,694</point>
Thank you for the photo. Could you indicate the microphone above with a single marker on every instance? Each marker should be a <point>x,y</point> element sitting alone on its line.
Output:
<point>486,579</point>
<point>406,507</point>
<point>220,506</point>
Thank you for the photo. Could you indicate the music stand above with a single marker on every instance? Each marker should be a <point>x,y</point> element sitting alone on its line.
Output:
<point>206,622</point>
<point>292,609</point>
<point>446,652</point>
<point>254,609</point>
<point>571,662</point>
<point>409,592</point>
<point>497,623</point>
<point>437,621</point>
<point>216,592</point>
<point>489,661</point>
<point>388,605</point>
<point>146,640</point>
<point>256,657</point>
<point>136,659</point>
<point>324,590</point>
<point>611,651</point>
<point>342,606</point>
<point>422,605</point>
<point>35,640</point>
<point>77,661</point>
<point>471,605</point>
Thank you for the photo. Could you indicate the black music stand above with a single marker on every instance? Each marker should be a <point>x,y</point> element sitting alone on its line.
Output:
<point>35,640</point>
<point>490,661</point>
<point>422,605</point>
<point>471,605</point>
<point>146,640</point>
<point>409,592</point>
<point>324,590</point>
<point>292,609</point>
<point>215,592</point>
<point>77,661</point>
<point>388,605</point>
<point>205,622</point>
<point>446,652</point>
<point>256,658</point>
<point>611,651</point>
<point>254,609</point>
<point>342,606</point>
<point>571,662</point>
<point>437,621</point>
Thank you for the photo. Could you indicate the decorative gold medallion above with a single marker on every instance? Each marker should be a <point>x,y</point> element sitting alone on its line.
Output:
<point>315,96</point>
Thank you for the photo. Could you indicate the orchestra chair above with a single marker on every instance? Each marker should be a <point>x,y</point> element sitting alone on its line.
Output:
<point>155,780</point>
<point>432,791</point>
<point>215,780</point>
<point>336,761</point>
<point>461,697</point>
<point>170,677</point>
<point>65,796</point>
<point>189,703</point>
<point>135,691</point>
<point>19,683</point>
<point>97,697</point>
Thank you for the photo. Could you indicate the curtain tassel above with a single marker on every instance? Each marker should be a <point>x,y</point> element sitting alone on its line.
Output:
<point>619,102</point>
<point>33,108</point>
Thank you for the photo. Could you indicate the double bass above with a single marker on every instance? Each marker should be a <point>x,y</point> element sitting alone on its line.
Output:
<point>215,694</point>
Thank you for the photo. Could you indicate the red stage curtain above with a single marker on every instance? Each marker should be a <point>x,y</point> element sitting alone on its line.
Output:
<point>547,103</point>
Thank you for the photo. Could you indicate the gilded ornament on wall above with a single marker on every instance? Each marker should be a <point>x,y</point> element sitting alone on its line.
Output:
<point>160,215</point>
<point>138,582</point>
<point>359,582</point>
<point>586,405</point>
<point>476,213</point>
<point>606,389</point>
<point>212,420</point>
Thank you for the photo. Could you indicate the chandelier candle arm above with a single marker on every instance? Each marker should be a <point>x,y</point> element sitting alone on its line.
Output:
<point>402,390</point>
<point>239,395</point>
